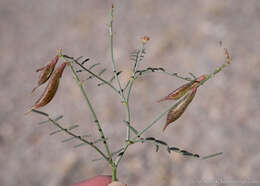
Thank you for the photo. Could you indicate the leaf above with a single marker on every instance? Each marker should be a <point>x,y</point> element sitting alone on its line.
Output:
<point>68,139</point>
<point>102,71</point>
<point>150,138</point>
<point>131,128</point>
<point>161,142</point>
<point>73,127</point>
<point>156,148</point>
<point>212,155</point>
<point>82,63</point>
<point>40,112</point>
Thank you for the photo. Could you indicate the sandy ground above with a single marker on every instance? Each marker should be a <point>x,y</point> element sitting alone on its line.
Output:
<point>224,116</point>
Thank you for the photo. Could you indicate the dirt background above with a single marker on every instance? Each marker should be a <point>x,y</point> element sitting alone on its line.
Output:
<point>224,116</point>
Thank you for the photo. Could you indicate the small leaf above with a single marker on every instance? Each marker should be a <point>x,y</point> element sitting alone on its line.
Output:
<point>156,148</point>
<point>94,65</point>
<point>150,139</point>
<point>186,153</point>
<point>78,58</point>
<point>118,73</point>
<point>82,63</point>
<point>55,132</point>
<point>99,140</point>
<point>174,149</point>
<point>161,142</point>
<point>39,112</point>
<point>102,71</point>
<point>131,128</point>
<point>196,155</point>
<point>68,139</point>
<point>79,145</point>
<point>73,127</point>
<point>212,155</point>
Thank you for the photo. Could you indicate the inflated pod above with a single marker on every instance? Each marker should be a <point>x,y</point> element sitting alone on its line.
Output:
<point>176,112</point>
<point>182,90</point>
<point>51,88</point>
<point>46,72</point>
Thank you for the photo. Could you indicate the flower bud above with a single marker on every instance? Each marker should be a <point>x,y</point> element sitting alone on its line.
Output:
<point>46,72</point>
<point>145,39</point>
<point>176,112</point>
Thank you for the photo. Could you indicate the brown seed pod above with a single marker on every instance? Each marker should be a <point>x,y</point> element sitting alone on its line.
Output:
<point>176,112</point>
<point>46,72</point>
<point>181,91</point>
<point>51,88</point>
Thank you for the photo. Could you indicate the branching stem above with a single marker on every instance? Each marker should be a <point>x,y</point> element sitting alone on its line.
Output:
<point>92,111</point>
<point>93,74</point>
<point>72,134</point>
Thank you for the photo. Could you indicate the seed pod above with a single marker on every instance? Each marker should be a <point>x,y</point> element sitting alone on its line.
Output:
<point>199,80</point>
<point>51,88</point>
<point>181,91</point>
<point>176,112</point>
<point>46,72</point>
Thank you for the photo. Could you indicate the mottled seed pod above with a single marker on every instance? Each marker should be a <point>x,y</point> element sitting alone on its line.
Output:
<point>46,72</point>
<point>51,88</point>
<point>176,112</point>
<point>181,91</point>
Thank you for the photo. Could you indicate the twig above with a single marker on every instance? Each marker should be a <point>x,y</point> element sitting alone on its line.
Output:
<point>71,133</point>
<point>93,74</point>
<point>92,111</point>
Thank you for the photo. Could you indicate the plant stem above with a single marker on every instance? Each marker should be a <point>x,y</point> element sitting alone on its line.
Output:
<point>122,96</point>
<point>72,134</point>
<point>121,153</point>
<point>114,177</point>
<point>92,112</point>
<point>134,71</point>
<point>228,59</point>
<point>157,119</point>
<point>93,74</point>
<point>112,55</point>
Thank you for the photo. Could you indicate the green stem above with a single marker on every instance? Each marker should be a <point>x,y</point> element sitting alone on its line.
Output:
<point>93,74</point>
<point>72,134</point>
<point>114,170</point>
<point>122,96</point>
<point>112,55</point>
<point>219,69</point>
<point>157,118</point>
<point>92,111</point>
<point>134,71</point>
<point>140,73</point>
<point>121,153</point>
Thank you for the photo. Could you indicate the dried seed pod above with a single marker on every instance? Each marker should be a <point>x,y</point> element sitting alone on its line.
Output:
<point>176,112</point>
<point>51,88</point>
<point>199,80</point>
<point>46,72</point>
<point>181,91</point>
